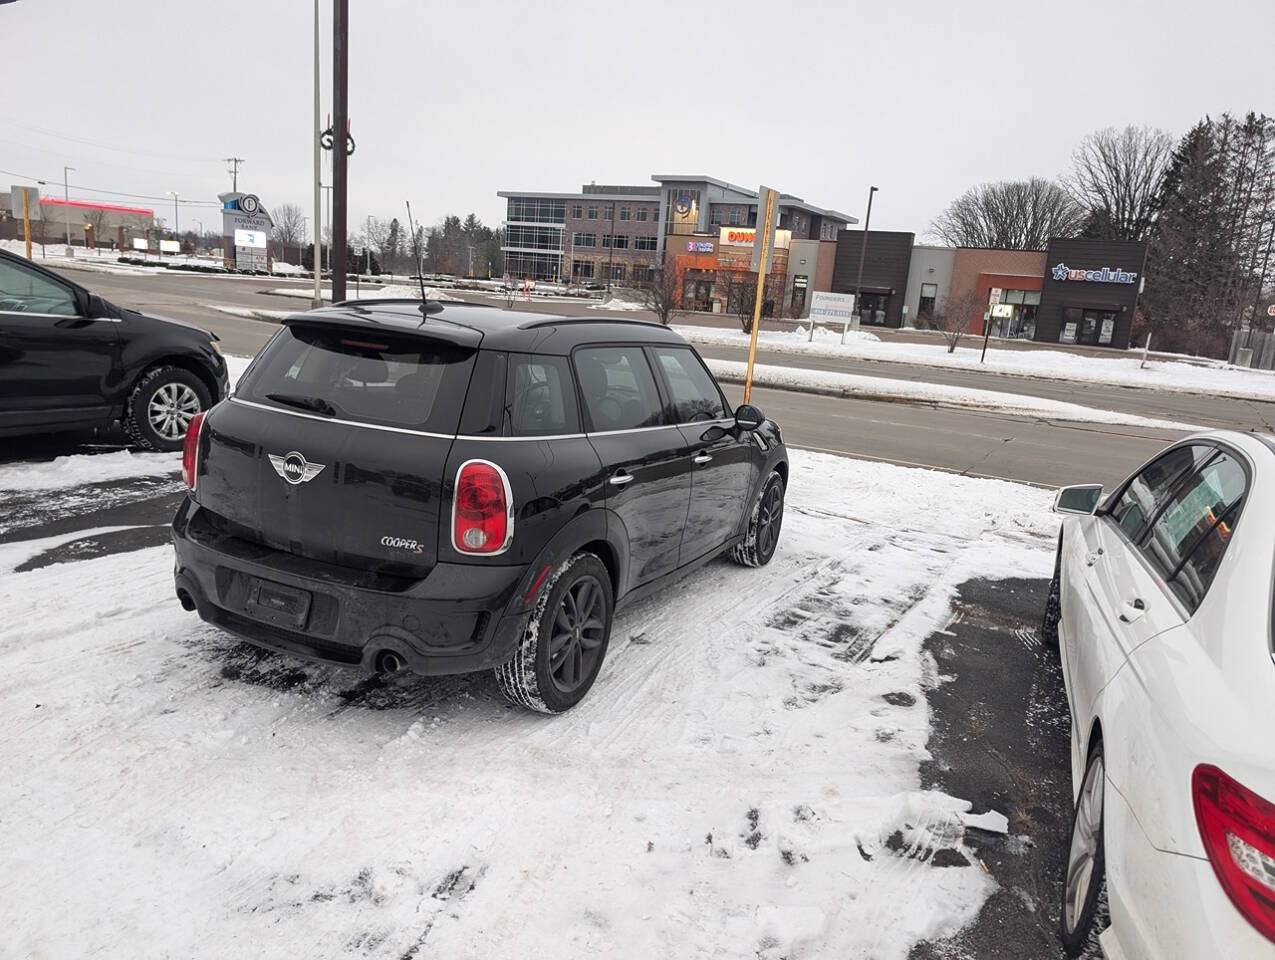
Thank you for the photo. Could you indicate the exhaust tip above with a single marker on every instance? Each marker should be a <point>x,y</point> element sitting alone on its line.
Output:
<point>187,601</point>
<point>387,661</point>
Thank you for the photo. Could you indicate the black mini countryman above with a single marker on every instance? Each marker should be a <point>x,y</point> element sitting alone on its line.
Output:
<point>461,488</point>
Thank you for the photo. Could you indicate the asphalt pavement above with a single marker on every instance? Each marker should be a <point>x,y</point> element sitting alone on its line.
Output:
<point>1034,450</point>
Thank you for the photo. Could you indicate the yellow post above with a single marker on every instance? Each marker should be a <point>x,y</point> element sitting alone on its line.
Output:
<point>763,267</point>
<point>26,220</point>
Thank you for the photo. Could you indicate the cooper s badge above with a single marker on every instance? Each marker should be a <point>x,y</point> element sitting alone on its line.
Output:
<point>294,467</point>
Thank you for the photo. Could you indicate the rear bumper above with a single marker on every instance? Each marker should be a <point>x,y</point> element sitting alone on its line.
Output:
<point>459,619</point>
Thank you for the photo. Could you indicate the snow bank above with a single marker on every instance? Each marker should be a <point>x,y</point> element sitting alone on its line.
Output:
<point>82,468</point>
<point>726,791</point>
<point>619,305</point>
<point>940,394</point>
<point>1211,377</point>
<point>367,291</point>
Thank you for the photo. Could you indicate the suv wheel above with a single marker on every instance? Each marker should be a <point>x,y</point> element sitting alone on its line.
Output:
<point>762,537</point>
<point>162,405</point>
<point>565,639</point>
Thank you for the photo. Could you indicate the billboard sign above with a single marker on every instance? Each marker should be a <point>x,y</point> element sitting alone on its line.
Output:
<point>139,243</point>
<point>252,239</point>
<point>1102,275</point>
<point>747,236</point>
<point>169,246</point>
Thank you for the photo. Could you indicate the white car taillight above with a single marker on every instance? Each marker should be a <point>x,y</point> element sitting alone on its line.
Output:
<point>190,449</point>
<point>482,509</point>
<point>1238,830</point>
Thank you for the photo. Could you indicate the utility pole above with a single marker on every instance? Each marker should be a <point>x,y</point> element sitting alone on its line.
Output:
<point>234,172</point>
<point>66,199</point>
<point>317,301</point>
<point>340,135</point>
<point>176,221</point>
<point>863,249</point>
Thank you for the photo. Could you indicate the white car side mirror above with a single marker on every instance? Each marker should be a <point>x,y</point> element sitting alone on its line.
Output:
<point>1079,501</point>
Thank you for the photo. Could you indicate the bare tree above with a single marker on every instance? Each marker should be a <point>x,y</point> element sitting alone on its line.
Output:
<point>1116,175</point>
<point>658,292</point>
<point>1013,215</point>
<point>289,227</point>
<point>955,315</point>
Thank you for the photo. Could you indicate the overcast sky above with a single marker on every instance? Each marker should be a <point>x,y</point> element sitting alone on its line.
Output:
<point>452,101</point>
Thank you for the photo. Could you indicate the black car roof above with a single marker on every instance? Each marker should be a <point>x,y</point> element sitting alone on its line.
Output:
<point>497,329</point>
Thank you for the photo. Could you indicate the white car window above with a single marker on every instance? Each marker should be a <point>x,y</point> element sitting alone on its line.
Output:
<point>1137,504</point>
<point>1188,538</point>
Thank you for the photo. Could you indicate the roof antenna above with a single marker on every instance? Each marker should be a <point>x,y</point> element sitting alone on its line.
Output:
<point>420,270</point>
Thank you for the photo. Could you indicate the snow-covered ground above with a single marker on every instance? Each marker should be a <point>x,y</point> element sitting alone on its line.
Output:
<point>252,313</point>
<point>727,789</point>
<point>1212,377</point>
<point>82,468</point>
<point>940,394</point>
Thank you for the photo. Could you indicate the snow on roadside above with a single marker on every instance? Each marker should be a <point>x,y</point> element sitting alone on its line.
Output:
<point>251,313</point>
<point>81,468</point>
<point>941,394</point>
<point>1120,368</point>
<point>619,304</point>
<point>727,789</point>
<point>387,291</point>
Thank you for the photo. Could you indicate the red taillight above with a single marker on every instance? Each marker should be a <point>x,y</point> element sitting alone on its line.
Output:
<point>1238,829</point>
<point>481,517</point>
<point>190,449</point>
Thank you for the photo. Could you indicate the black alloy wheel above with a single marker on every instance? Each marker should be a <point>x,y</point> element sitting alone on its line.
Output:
<point>762,535</point>
<point>578,635</point>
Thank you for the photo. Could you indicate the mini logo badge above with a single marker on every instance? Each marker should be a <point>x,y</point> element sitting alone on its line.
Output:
<point>294,467</point>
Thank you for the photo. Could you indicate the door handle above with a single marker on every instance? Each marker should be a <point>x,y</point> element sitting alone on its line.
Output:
<point>701,458</point>
<point>1132,610</point>
<point>620,479</point>
<point>1093,557</point>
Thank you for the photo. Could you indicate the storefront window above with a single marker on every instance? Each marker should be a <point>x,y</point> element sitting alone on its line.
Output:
<point>1088,327</point>
<point>929,293</point>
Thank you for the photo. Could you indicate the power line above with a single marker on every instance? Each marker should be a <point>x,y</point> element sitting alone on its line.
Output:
<point>113,193</point>
<point>106,146</point>
<point>234,171</point>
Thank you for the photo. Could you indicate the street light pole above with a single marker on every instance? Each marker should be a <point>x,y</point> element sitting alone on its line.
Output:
<point>863,249</point>
<point>66,199</point>
<point>176,220</point>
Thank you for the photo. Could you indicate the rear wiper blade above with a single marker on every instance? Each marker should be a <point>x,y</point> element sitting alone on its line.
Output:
<point>317,404</point>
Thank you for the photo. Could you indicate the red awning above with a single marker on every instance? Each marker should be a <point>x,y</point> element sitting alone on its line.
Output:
<point>85,205</point>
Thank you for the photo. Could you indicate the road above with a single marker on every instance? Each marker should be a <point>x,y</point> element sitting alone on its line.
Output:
<point>963,441</point>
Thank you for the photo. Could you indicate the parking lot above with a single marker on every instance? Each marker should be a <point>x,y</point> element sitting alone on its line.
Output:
<point>775,762</point>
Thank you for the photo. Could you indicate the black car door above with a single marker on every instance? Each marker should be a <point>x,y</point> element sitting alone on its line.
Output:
<point>645,459</point>
<point>723,459</point>
<point>56,363</point>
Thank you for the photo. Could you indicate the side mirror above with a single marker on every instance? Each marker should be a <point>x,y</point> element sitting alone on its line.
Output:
<point>97,307</point>
<point>1079,501</point>
<point>748,417</point>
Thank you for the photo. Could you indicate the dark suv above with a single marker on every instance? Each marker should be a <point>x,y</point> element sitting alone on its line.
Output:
<point>70,360</point>
<point>464,488</point>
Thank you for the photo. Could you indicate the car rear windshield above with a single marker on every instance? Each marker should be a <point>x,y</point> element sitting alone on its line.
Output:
<point>362,375</point>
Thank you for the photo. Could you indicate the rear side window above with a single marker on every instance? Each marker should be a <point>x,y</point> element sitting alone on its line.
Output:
<point>618,388</point>
<point>694,394</point>
<point>1138,502</point>
<point>363,375</point>
<point>1193,529</point>
<point>540,396</point>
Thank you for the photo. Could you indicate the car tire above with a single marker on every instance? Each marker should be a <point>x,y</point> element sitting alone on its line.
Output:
<point>1053,604</point>
<point>764,524</point>
<point>1086,865</point>
<point>564,641</point>
<point>162,405</point>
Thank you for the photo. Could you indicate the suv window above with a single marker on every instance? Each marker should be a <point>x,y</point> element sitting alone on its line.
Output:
<point>618,388</point>
<point>694,393</point>
<point>1186,541</point>
<point>1137,503</point>
<point>540,396</point>
<point>367,376</point>
<point>25,291</point>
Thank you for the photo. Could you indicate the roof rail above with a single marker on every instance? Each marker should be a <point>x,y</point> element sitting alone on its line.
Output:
<point>431,306</point>
<point>558,321</point>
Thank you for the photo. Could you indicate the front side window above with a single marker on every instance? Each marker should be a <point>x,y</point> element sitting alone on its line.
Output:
<point>539,396</point>
<point>618,388</point>
<point>694,394</point>
<point>1137,504</point>
<point>1188,537</point>
<point>25,291</point>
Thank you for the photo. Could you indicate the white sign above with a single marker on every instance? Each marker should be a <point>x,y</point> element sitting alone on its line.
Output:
<point>169,246</point>
<point>831,306</point>
<point>33,202</point>
<point>253,239</point>
<point>995,296</point>
<point>1002,310</point>
<point>747,236</point>
<point>139,243</point>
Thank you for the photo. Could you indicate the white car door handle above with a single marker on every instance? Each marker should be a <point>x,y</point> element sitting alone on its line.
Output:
<point>1093,557</point>
<point>620,479</point>
<point>1132,610</point>
<point>702,458</point>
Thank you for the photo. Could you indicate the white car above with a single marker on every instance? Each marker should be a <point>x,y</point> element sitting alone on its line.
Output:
<point>1162,608</point>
